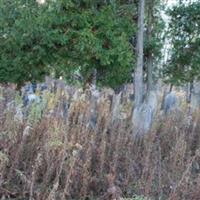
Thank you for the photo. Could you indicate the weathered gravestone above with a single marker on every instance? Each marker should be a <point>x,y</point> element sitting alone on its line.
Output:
<point>94,95</point>
<point>195,97</point>
<point>116,106</point>
<point>28,94</point>
<point>170,102</point>
<point>41,87</point>
<point>143,115</point>
<point>19,116</point>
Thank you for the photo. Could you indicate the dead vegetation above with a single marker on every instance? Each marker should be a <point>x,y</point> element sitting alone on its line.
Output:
<point>50,157</point>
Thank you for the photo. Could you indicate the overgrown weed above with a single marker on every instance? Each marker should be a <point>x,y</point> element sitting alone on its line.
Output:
<point>50,155</point>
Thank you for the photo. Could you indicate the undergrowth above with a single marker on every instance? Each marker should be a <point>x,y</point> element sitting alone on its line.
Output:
<point>59,153</point>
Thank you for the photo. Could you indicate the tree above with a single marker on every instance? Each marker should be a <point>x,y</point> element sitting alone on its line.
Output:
<point>23,54</point>
<point>66,37</point>
<point>99,39</point>
<point>138,79</point>
<point>69,37</point>
<point>183,65</point>
<point>149,59</point>
<point>153,41</point>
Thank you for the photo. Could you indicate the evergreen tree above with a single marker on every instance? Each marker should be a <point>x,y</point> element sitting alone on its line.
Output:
<point>184,34</point>
<point>24,56</point>
<point>138,84</point>
<point>66,37</point>
<point>154,40</point>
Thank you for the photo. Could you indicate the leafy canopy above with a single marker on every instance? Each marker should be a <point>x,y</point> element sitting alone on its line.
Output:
<point>184,33</point>
<point>23,53</point>
<point>65,37</point>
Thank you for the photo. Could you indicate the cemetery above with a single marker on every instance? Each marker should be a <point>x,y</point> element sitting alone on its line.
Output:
<point>99,100</point>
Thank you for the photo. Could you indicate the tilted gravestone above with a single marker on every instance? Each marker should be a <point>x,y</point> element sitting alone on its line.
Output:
<point>170,102</point>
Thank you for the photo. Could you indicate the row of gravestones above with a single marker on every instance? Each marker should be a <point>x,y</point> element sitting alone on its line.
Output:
<point>142,117</point>
<point>172,102</point>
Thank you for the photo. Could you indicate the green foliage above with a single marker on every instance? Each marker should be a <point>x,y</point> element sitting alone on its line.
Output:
<point>35,112</point>
<point>97,36</point>
<point>155,44</point>
<point>154,34</point>
<point>65,37</point>
<point>140,198</point>
<point>23,56</point>
<point>184,33</point>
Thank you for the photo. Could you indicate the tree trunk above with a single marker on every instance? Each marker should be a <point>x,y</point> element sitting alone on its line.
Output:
<point>149,60</point>
<point>138,79</point>
<point>94,77</point>
<point>171,87</point>
<point>189,92</point>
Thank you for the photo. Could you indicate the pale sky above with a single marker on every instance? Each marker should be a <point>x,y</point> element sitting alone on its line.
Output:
<point>40,1</point>
<point>171,2</point>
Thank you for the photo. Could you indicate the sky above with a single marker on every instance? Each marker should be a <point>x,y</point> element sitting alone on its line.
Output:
<point>171,2</point>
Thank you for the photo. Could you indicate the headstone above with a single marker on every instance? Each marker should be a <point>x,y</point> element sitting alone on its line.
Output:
<point>78,94</point>
<point>60,84</point>
<point>50,84</point>
<point>93,119</point>
<point>195,97</point>
<point>170,102</point>
<point>195,101</point>
<point>196,88</point>
<point>152,100</point>
<point>95,94</point>
<point>116,107</point>
<point>33,98</point>
<point>142,119</point>
<point>28,95</point>
<point>19,115</point>
<point>41,87</point>
<point>70,90</point>
<point>143,116</point>
<point>127,93</point>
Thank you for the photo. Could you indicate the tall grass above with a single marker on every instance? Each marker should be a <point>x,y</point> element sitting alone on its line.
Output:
<point>57,155</point>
